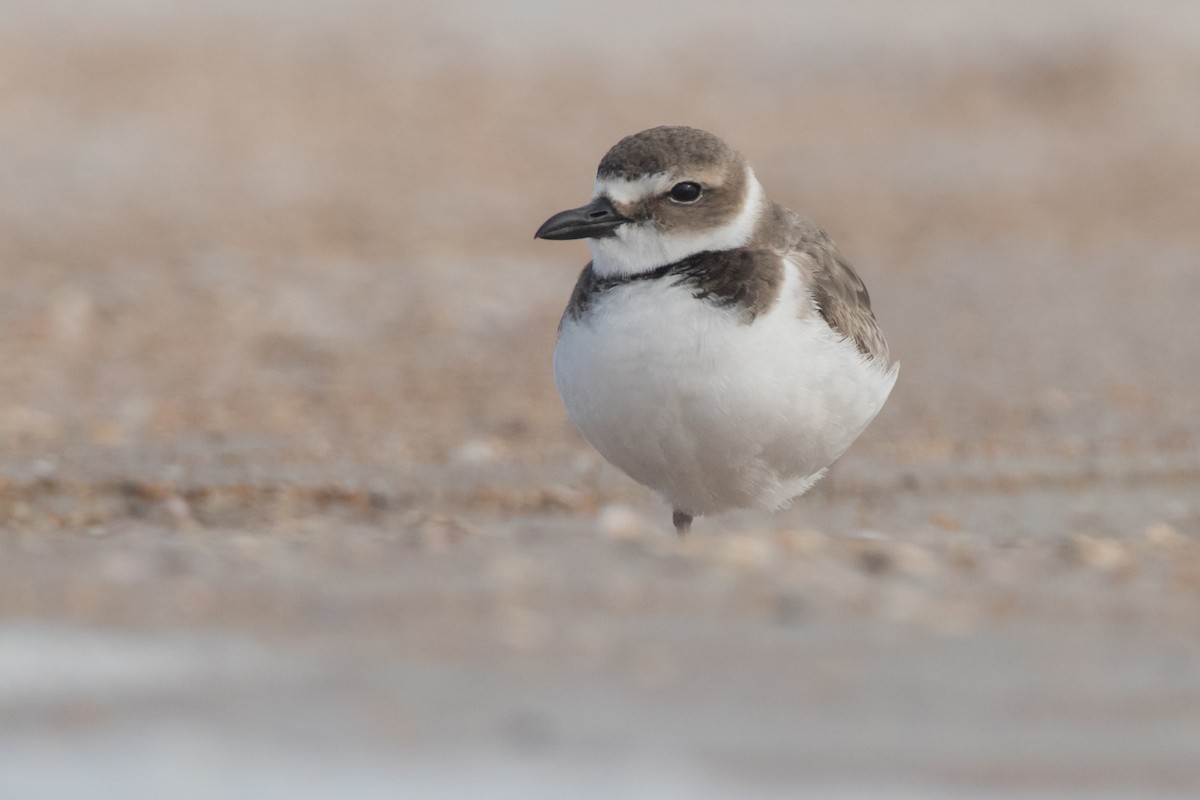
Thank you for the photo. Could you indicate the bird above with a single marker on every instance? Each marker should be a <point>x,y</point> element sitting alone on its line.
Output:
<point>717,348</point>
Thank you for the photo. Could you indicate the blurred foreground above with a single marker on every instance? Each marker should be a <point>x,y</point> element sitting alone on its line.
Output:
<point>289,506</point>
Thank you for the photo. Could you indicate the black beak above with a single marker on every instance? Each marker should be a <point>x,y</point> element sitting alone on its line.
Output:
<point>598,218</point>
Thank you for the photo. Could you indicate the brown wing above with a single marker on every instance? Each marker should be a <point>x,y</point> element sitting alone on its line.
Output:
<point>840,295</point>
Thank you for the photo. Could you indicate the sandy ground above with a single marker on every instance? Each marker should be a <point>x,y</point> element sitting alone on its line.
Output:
<point>289,508</point>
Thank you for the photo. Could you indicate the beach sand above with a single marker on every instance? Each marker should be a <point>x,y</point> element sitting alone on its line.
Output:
<point>289,506</point>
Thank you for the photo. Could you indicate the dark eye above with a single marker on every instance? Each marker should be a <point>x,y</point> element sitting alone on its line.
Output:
<point>686,192</point>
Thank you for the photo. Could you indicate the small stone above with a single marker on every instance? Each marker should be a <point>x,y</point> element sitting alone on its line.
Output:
<point>745,551</point>
<point>566,498</point>
<point>788,609</point>
<point>868,536</point>
<point>522,628</point>
<point>875,560</point>
<point>915,560</point>
<point>107,433</point>
<point>1163,535</point>
<point>946,521</point>
<point>963,558</point>
<point>802,542</point>
<point>620,522</point>
<point>1099,552</point>
<point>478,451</point>
<point>583,463</point>
<point>45,467</point>
<point>438,532</point>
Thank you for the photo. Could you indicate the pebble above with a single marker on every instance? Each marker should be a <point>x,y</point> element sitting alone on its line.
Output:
<point>478,451</point>
<point>1099,552</point>
<point>749,551</point>
<point>915,560</point>
<point>1163,535</point>
<point>806,542</point>
<point>620,522</point>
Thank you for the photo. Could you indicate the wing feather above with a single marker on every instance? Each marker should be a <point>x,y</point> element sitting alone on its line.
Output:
<point>840,295</point>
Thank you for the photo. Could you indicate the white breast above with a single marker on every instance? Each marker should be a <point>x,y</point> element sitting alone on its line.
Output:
<point>712,412</point>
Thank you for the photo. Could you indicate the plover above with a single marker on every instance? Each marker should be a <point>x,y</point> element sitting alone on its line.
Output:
<point>717,349</point>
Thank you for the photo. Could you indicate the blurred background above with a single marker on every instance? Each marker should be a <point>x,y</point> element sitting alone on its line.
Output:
<point>289,506</point>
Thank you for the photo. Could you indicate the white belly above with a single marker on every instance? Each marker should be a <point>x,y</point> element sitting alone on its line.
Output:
<point>711,412</point>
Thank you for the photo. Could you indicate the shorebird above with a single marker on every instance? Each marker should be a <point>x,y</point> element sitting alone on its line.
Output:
<point>717,348</point>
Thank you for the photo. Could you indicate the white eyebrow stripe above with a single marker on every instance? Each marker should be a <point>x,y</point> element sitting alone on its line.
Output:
<point>630,190</point>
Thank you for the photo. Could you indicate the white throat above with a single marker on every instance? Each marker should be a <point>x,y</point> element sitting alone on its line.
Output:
<point>637,248</point>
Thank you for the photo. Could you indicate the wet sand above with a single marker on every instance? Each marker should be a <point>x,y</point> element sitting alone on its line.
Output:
<point>289,508</point>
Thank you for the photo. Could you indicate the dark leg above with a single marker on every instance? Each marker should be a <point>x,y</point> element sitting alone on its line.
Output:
<point>683,522</point>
